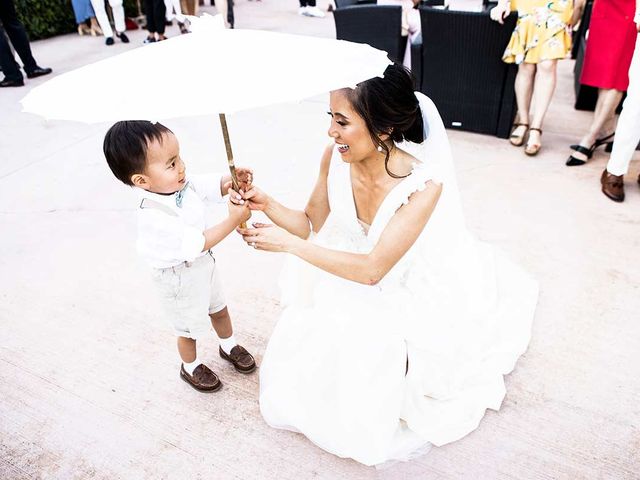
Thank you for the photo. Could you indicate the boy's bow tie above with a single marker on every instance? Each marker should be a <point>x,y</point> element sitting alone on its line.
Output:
<point>180,195</point>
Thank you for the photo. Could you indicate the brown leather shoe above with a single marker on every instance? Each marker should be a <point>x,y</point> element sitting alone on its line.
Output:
<point>242,360</point>
<point>203,379</point>
<point>612,186</point>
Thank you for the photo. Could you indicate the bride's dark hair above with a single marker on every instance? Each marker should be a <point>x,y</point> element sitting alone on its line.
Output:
<point>388,105</point>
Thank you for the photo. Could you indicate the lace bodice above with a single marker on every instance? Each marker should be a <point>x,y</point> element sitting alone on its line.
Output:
<point>344,231</point>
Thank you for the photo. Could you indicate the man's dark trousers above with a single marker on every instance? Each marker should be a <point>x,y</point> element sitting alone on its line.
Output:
<point>18,36</point>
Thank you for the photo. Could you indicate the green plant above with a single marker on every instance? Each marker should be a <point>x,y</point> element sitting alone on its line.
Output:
<point>131,8</point>
<point>45,19</point>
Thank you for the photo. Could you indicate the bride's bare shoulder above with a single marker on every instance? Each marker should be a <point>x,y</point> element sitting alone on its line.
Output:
<point>408,161</point>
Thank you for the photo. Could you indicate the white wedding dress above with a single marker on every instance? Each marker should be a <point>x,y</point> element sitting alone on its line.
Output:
<point>455,308</point>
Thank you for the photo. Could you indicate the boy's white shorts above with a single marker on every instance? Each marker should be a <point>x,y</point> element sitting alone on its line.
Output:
<point>189,292</point>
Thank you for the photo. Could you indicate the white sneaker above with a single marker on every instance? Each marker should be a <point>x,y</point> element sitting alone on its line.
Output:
<point>314,12</point>
<point>302,11</point>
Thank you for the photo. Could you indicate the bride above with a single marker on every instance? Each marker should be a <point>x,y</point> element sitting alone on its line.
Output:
<point>398,325</point>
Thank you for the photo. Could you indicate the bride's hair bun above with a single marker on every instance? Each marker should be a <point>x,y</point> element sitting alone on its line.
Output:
<point>388,105</point>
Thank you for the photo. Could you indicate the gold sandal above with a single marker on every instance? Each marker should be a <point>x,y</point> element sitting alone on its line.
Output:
<point>532,150</point>
<point>518,140</point>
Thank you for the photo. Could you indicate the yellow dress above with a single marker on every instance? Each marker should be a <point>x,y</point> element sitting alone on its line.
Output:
<point>542,31</point>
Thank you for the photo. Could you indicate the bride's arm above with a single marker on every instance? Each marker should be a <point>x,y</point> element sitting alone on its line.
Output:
<point>398,236</point>
<point>296,222</point>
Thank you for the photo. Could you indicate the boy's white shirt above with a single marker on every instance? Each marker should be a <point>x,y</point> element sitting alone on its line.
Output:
<point>165,240</point>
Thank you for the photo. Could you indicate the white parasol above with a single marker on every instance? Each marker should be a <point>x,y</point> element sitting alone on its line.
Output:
<point>215,70</point>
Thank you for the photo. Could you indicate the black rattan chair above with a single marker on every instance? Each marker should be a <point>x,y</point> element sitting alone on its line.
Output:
<point>378,25</point>
<point>463,72</point>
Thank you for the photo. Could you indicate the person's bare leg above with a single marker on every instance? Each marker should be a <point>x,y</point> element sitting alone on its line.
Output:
<point>221,322</point>
<point>604,116</point>
<point>545,85</point>
<point>524,90</point>
<point>95,27</point>
<point>187,349</point>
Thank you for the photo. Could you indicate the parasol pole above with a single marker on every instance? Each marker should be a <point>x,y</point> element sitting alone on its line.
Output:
<point>232,167</point>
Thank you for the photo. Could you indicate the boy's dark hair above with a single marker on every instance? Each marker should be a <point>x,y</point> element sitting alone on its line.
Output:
<point>125,146</point>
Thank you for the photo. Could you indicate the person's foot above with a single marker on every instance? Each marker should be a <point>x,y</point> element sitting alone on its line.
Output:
<point>534,142</point>
<point>202,379</point>
<point>613,186</point>
<point>302,11</point>
<point>314,12</point>
<point>149,40</point>
<point>109,41</point>
<point>11,83</point>
<point>123,37</point>
<point>517,135</point>
<point>604,139</point>
<point>242,360</point>
<point>161,38</point>
<point>38,72</point>
<point>183,28</point>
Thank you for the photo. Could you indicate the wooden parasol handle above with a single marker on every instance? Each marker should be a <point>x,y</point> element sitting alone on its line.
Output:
<point>232,167</point>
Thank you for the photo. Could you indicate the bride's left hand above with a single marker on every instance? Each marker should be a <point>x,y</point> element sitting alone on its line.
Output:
<point>268,237</point>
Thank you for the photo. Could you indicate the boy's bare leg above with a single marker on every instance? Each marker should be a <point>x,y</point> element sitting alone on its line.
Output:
<point>221,322</point>
<point>187,349</point>
<point>242,360</point>
<point>204,379</point>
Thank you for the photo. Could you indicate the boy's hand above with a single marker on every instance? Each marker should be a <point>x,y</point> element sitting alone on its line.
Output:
<point>245,178</point>
<point>240,211</point>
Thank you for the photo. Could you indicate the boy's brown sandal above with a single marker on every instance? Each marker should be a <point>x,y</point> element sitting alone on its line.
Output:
<point>203,379</point>
<point>242,360</point>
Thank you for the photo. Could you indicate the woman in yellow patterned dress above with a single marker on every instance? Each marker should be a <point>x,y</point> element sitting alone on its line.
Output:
<point>541,37</point>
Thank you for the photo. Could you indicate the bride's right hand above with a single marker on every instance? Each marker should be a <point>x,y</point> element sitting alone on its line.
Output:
<point>258,200</point>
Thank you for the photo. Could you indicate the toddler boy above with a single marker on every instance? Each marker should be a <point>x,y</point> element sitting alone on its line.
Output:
<point>175,240</point>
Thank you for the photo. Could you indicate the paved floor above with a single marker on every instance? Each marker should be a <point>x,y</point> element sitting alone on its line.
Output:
<point>89,382</point>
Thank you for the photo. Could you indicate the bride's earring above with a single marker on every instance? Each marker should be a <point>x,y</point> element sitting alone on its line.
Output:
<point>379,148</point>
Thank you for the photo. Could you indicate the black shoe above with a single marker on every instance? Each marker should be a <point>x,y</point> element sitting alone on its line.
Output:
<point>109,41</point>
<point>38,72</point>
<point>600,141</point>
<point>11,83</point>
<point>123,38</point>
<point>149,40</point>
<point>587,152</point>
